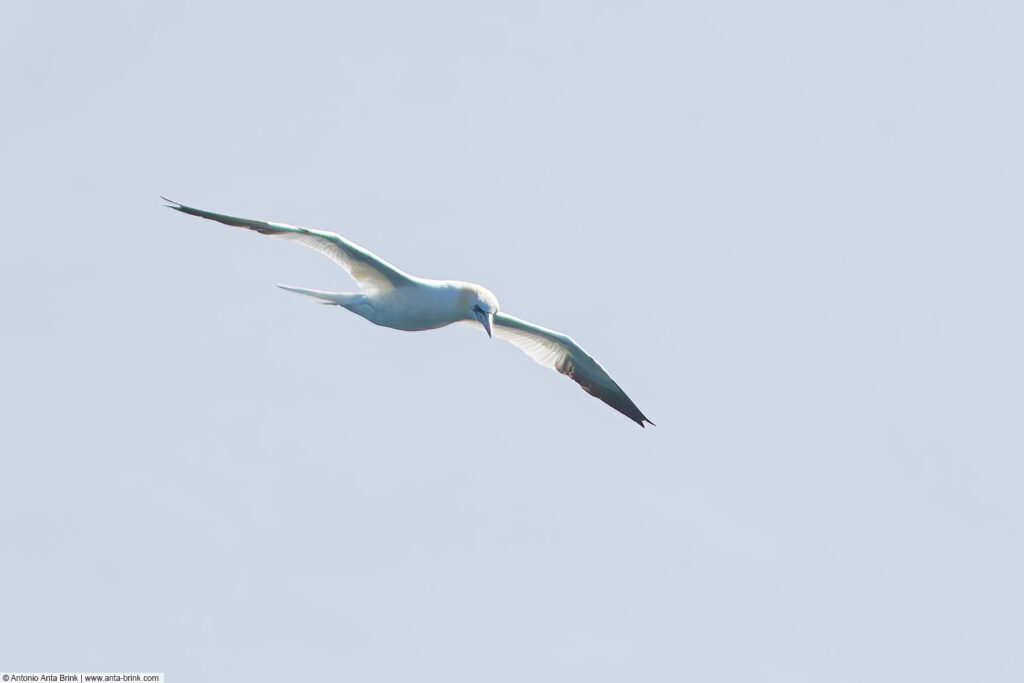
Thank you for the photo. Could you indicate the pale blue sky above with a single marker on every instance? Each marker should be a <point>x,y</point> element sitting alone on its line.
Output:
<point>790,230</point>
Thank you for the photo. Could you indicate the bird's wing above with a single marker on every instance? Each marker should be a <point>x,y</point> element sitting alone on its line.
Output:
<point>372,273</point>
<point>559,352</point>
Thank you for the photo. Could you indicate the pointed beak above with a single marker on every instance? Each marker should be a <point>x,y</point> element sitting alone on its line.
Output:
<point>485,320</point>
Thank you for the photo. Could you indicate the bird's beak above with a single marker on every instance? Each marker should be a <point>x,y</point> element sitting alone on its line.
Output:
<point>485,320</point>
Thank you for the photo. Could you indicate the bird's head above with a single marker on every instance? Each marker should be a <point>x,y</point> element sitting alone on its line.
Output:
<point>482,305</point>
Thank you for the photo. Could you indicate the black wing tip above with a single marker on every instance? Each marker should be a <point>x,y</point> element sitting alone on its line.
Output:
<point>259,226</point>
<point>612,396</point>
<point>177,206</point>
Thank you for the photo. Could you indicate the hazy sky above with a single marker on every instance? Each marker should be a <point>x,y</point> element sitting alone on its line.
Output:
<point>790,230</point>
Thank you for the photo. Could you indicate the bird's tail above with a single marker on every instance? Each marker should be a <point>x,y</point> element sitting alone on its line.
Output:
<point>328,298</point>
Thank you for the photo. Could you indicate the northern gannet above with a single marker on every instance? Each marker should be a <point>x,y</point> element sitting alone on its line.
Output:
<point>393,298</point>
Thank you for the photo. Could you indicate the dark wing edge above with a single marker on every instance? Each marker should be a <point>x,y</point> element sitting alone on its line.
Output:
<point>360,262</point>
<point>560,352</point>
<point>262,227</point>
<point>613,396</point>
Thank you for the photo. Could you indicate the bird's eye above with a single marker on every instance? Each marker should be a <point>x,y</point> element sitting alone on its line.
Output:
<point>477,309</point>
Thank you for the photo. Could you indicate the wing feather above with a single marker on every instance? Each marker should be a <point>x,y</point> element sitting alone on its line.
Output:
<point>372,273</point>
<point>559,352</point>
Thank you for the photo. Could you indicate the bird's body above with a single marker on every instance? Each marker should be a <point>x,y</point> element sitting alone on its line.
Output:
<point>421,305</point>
<point>392,298</point>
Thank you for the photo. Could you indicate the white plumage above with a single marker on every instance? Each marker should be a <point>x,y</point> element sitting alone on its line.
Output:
<point>392,298</point>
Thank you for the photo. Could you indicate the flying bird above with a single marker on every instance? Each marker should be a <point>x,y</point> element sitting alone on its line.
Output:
<point>392,298</point>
